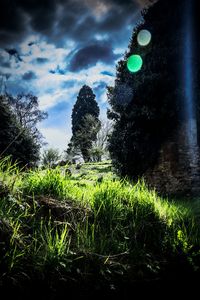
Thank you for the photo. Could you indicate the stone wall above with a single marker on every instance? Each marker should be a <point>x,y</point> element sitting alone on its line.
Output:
<point>177,171</point>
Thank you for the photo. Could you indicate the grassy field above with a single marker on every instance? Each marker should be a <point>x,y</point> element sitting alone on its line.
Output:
<point>91,233</point>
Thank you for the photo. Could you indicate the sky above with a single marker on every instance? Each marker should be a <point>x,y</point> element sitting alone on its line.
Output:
<point>51,48</point>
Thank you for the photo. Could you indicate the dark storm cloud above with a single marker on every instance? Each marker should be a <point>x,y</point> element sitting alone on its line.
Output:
<point>90,55</point>
<point>30,75</point>
<point>58,20</point>
<point>19,17</point>
<point>41,60</point>
<point>42,13</point>
<point>31,44</point>
<point>13,52</point>
<point>12,22</point>
<point>5,63</point>
<point>105,17</point>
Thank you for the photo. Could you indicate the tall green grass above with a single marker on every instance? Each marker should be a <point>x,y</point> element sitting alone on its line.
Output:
<point>115,225</point>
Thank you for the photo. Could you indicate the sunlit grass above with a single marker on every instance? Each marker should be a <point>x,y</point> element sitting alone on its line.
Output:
<point>106,221</point>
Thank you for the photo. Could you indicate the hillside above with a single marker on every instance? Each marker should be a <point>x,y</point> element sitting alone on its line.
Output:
<point>91,234</point>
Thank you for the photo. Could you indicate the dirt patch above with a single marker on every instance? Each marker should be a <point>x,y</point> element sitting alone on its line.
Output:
<point>5,233</point>
<point>4,191</point>
<point>68,211</point>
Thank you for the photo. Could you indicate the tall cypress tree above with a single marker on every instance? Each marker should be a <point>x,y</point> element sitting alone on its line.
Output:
<point>147,106</point>
<point>85,122</point>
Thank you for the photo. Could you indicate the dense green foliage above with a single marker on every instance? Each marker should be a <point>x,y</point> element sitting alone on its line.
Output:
<point>25,107</point>
<point>85,122</point>
<point>50,157</point>
<point>100,145</point>
<point>147,106</point>
<point>91,232</point>
<point>15,139</point>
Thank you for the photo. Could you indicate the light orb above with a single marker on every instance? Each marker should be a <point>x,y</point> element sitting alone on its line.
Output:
<point>144,37</point>
<point>134,63</point>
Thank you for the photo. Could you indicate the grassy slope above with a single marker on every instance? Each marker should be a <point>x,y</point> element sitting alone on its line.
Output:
<point>91,230</point>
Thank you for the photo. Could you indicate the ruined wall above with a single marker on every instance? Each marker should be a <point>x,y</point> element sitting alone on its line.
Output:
<point>177,171</point>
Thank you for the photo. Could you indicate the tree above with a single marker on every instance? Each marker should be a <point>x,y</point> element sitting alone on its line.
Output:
<point>8,126</point>
<point>25,108</point>
<point>96,153</point>
<point>72,152</point>
<point>15,140</point>
<point>100,145</point>
<point>50,157</point>
<point>147,106</point>
<point>85,122</point>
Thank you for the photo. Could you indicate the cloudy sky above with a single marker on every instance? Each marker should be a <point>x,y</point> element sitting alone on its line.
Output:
<point>53,47</point>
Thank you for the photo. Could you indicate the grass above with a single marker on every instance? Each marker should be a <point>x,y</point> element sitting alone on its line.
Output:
<point>91,230</point>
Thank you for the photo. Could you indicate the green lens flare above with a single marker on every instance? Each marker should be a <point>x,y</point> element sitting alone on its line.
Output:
<point>134,63</point>
<point>144,37</point>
